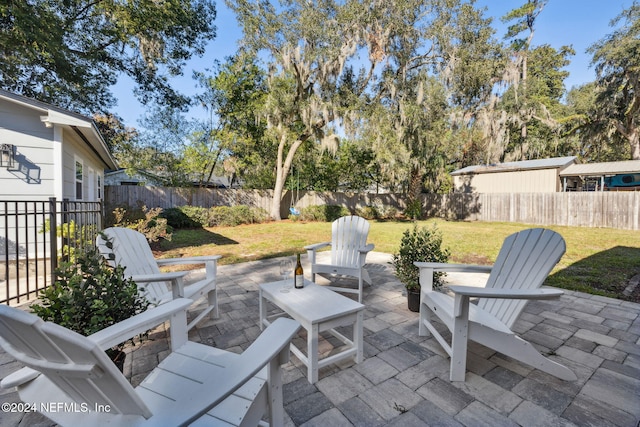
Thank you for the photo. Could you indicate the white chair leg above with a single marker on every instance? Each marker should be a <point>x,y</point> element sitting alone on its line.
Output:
<point>459,339</point>
<point>211,271</point>
<point>213,302</point>
<point>425,316</point>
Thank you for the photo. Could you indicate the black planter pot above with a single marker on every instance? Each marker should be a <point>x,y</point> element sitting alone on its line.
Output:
<point>413,300</point>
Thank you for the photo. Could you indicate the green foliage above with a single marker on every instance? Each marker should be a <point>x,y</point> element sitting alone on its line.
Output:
<point>414,209</point>
<point>74,238</point>
<point>616,58</point>
<point>352,167</point>
<point>236,95</point>
<point>377,212</point>
<point>157,223</point>
<point>419,244</point>
<point>368,212</point>
<point>326,213</point>
<point>90,296</point>
<point>186,217</point>
<point>236,215</point>
<point>146,221</point>
<point>70,53</point>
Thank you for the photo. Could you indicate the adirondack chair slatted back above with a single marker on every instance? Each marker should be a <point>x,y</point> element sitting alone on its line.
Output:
<point>524,262</point>
<point>348,234</point>
<point>132,251</point>
<point>72,362</point>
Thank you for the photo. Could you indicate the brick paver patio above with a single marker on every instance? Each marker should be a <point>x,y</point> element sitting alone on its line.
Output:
<point>403,380</point>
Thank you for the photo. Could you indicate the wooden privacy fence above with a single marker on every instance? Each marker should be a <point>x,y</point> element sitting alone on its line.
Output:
<point>584,209</point>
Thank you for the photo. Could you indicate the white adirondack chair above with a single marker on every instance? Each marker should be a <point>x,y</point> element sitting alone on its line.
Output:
<point>349,251</point>
<point>130,249</point>
<point>525,260</point>
<point>70,379</point>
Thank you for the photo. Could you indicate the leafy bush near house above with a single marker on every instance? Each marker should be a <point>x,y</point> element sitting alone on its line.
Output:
<point>419,244</point>
<point>326,213</point>
<point>90,296</point>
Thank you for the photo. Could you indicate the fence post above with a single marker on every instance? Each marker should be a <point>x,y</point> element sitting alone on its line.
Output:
<point>53,238</point>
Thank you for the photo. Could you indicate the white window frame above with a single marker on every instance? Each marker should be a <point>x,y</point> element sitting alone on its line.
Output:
<point>78,160</point>
<point>99,185</point>
<point>91,185</point>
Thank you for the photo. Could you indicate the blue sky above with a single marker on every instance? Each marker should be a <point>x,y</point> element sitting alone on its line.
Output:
<point>579,23</point>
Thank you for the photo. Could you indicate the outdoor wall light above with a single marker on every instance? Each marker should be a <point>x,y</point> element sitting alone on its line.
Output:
<point>7,155</point>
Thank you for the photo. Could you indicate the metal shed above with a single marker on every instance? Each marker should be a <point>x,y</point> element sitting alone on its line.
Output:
<point>528,176</point>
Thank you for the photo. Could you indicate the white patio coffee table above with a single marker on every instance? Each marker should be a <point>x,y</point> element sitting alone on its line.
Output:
<point>317,309</point>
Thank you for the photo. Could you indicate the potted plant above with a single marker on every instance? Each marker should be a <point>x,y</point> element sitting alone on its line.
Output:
<point>418,244</point>
<point>90,295</point>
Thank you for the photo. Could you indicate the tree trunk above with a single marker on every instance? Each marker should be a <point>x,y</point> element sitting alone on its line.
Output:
<point>634,141</point>
<point>282,170</point>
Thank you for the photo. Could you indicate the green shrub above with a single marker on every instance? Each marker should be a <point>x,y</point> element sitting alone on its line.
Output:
<point>387,212</point>
<point>326,213</point>
<point>368,212</point>
<point>151,224</point>
<point>180,218</point>
<point>414,209</point>
<point>235,215</point>
<point>419,244</point>
<point>90,296</point>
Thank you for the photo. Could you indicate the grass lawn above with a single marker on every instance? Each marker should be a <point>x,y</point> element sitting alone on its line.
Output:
<point>598,260</point>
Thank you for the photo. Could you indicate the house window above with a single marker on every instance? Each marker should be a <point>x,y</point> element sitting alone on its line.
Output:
<point>79,168</point>
<point>99,187</point>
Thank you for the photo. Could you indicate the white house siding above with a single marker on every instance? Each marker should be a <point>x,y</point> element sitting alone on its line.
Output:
<point>523,181</point>
<point>72,149</point>
<point>46,147</point>
<point>33,175</point>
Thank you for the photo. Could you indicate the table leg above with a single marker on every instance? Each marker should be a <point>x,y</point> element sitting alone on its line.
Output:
<point>358,338</point>
<point>312,353</point>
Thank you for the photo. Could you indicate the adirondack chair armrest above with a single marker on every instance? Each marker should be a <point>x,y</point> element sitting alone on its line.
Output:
<point>140,323</point>
<point>188,260</point>
<point>463,293</point>
<point>113,335</point>
<point>472,291</point>
<point>19,377</point>
<point>454,268</point>
<point>270,348</point>
<point>428,268</point>
<point>274,341</point>
<point>317,246</point>
<point>312,249</point>
<point>366,249</point>
<point>175,278</point>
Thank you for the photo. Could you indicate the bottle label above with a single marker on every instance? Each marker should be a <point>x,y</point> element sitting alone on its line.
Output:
<point>299,281</point>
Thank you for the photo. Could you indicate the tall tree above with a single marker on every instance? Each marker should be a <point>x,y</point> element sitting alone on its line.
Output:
<point>69,52</point>
<point>591,138</point>
<point>517,73</point>
<point>235,95</point>
<point>617,62</point>
<point>306,45</point>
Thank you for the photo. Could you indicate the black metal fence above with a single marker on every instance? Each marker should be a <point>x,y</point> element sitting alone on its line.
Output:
<point>35,236</point>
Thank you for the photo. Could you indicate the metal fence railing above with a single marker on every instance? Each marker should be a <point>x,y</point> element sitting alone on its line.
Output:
<point>35,236</point>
